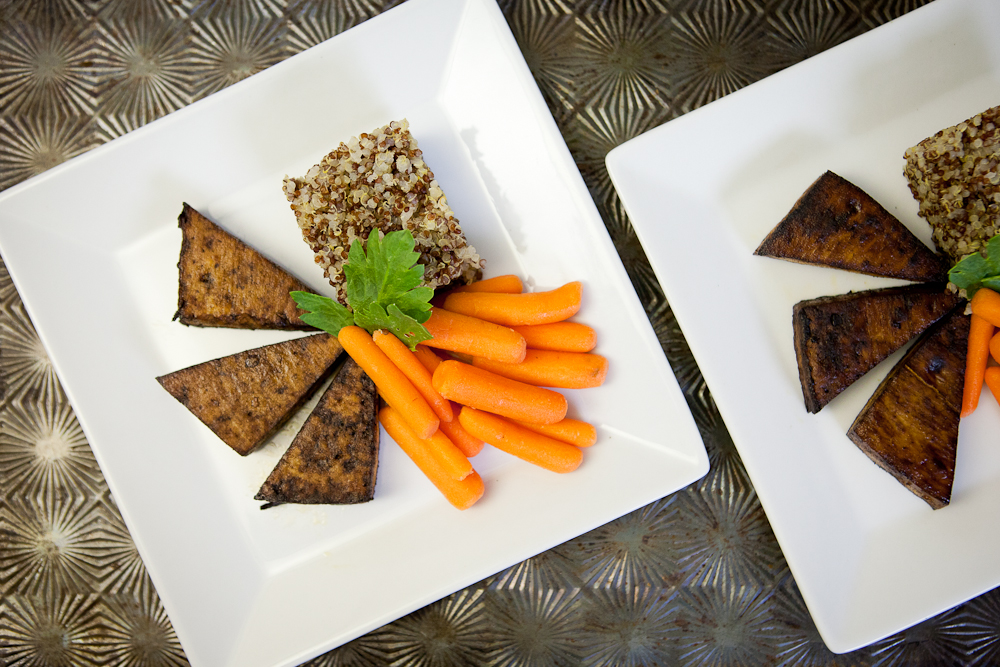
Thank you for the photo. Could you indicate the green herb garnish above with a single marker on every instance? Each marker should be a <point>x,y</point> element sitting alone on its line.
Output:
<point>384,288</point>
<point>977,271</point>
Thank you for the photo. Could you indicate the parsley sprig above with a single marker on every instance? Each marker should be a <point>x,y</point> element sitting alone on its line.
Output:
<point>384,288</point>
<point>977,271</point>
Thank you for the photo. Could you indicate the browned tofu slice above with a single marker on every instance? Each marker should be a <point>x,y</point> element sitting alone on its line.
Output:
<point>836,224</point>
<point>840,338</point>
<point>910,425</point>
<point>226,283</point>
<point>334,458</point>
<point>244,398</point>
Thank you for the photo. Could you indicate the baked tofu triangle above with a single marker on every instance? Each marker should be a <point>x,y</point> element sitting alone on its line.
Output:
<point>910,425</point>
<point>245,397</point>
<point>334,458</point>
<point>226,283</point>
<point>840,338</point>
<point>836,224</point>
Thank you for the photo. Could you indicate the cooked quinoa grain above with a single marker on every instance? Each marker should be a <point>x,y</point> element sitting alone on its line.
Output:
<point>955,176</point>
<point>379,181</point>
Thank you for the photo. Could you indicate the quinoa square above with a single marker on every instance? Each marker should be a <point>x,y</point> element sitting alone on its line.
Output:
<point>955,176</point>
<point>379,181</point>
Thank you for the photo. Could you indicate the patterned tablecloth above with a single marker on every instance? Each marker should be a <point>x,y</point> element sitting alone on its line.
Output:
<point>695,578</point>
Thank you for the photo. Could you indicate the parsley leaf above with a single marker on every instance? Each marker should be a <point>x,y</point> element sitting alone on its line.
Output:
<point>387,273</point>
<point>324,313</point>
<point>977,271</point>
<point>407,329</point>
<point>384,288</point>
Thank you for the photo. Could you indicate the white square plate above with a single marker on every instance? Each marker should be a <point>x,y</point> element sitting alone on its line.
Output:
<point>702,191</point>
<point>92,247</point>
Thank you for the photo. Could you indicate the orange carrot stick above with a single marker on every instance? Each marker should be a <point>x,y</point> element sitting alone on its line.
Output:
<point>545,368</point>
<point>469,335</point>
<point>993,339</point>
<point>488,391</point>
<point>559,336</point>
<point>520,442</point>
<point>986,304</point>
<point>508,284</point>
<point>571,431</point>
<point>452,459</point>
<point>469,445</point>
<point>416,372</point>
<point>392,384</point>
<point>460,493</point>
<point>465,441</point>
<point>992,378</point>
<point>980,346</point>
<point>456,435</point>
<point>427,357</point>
<point>519,309</point>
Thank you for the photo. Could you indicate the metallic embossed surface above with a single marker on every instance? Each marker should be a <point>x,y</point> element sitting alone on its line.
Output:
<point>693,579</point>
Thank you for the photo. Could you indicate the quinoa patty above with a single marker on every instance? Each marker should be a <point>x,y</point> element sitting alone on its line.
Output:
<point>955,176</point>
<point>379,181</point>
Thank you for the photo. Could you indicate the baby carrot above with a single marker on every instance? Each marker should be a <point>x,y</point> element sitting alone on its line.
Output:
<point>465,441</point>
<point>992,340</point>
<point>980,346</point>
<point>392,384</point>
<point>427,357</point>
<point>986,304</point>
<point>992,378</point>
<point>470,335</point>
<point>508,284</point>
<point>407,361</point>
<point>469,445</point>
<point>559,336</point>
<point>452,453</point>
<point>488,391</point>
<point>519,309</point>
<point>520,442</point>
<point>545,368</point>
<point>460,493</point>
<point>452,459</point>
<point>572,431</point>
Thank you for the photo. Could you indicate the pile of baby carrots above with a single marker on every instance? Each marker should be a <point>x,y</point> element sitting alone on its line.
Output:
<point>487,375</point>
<point>984,344</point>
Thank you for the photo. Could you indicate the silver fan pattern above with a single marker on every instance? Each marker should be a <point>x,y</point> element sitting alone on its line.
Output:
<point>696,578</point>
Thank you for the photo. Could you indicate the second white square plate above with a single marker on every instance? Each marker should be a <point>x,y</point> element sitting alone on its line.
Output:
<point>869,557</point>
